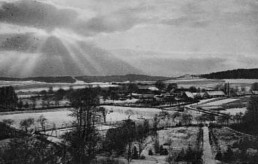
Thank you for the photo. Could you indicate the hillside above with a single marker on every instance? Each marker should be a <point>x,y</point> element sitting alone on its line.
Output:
<point>61,79</point>
<point>120,78</point>
<point>88,79</point>
<point>233,74</point>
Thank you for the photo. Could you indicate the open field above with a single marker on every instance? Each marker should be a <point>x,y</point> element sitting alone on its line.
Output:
<point>231,105</point>
<point>241,81</point>
<point>197,82</point>
<point>212,83</point>
<point>58,117</point>
<point>61,117</point>
<point>234,111</point>
<point>219,102</point>
<point>116,113</point>
<point>34,86</point>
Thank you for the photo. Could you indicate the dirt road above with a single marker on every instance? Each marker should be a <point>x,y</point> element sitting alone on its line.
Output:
<point>207,152</point>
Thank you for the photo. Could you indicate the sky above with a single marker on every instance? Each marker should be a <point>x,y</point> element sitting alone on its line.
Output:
<point>104,37</point>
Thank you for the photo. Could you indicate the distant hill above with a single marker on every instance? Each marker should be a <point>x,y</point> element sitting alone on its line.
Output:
<point>120,78</point>
<point>61,79</point>
<point>187,76</point>
<point>88,79</point>
<point>233,74</point>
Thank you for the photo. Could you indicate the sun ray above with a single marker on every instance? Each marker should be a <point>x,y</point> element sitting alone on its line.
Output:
<point>74,57</point>
<point>77,56</point>
<point>32,60</point>
<point>84,61</point>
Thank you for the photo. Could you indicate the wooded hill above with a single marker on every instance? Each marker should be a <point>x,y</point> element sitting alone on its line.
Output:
<point>233,74</point>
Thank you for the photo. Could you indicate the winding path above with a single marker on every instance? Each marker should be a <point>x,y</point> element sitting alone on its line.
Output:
<point>207,152</point>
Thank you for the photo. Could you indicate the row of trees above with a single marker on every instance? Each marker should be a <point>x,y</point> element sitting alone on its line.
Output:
<point>8,98</point>
<point>248,122</point>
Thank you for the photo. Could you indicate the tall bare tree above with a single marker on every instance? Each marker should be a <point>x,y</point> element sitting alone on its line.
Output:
<point>83,140</point>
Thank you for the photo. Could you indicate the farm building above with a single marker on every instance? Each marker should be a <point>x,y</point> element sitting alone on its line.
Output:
<point>147,96</point>
<point>213,94</point>
<point>242,93</point>
<point>143,96</point>
<point>198,95</point>
<point>255,92</point>
<point>147,89</point>
<point>188,96</point>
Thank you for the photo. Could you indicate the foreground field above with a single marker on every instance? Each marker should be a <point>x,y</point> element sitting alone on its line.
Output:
<point>172,141</point>
<point>61,117</point>
<point>58,117</point>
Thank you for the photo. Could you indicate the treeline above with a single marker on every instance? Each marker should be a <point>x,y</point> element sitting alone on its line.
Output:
<point>233,74</point>
<point>249,124</point>
<point>8,98</point>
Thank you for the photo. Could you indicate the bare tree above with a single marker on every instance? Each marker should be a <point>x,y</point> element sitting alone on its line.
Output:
<point>104,113</point>
<point>83,139</point>
<point>26,123</point>
<point>42,121</point>
<point>8,122</point>
<point>187,118</point>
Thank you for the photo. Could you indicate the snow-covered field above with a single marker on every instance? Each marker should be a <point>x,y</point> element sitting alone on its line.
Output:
<point>234,111</point>
<point>245,81</point>
<point>204,101</point>
<point>116,113</point>
<point>34,86</point>
<point>58,117</point>
<point>63,86</point>
<point>219,102</point>
<point>197,82</point>
<point>119,101</point>
<point>18,83</point>
<point>61,117</point>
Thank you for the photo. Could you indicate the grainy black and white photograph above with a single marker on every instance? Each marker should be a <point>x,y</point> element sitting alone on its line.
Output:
<point>128,81</point>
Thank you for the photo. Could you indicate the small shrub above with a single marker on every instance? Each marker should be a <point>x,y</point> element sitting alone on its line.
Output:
<point>135,153</point>
<point>150,152</point>
<point>163,151</point>
<point>156,146</point>
<point>142,157</point>
<point>218,156</point>
<point>228,155</point>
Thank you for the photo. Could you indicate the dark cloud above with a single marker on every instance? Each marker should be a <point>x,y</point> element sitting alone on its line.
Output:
<point>26,42</point>
<point>48,17</point>
<point>36,14</point>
